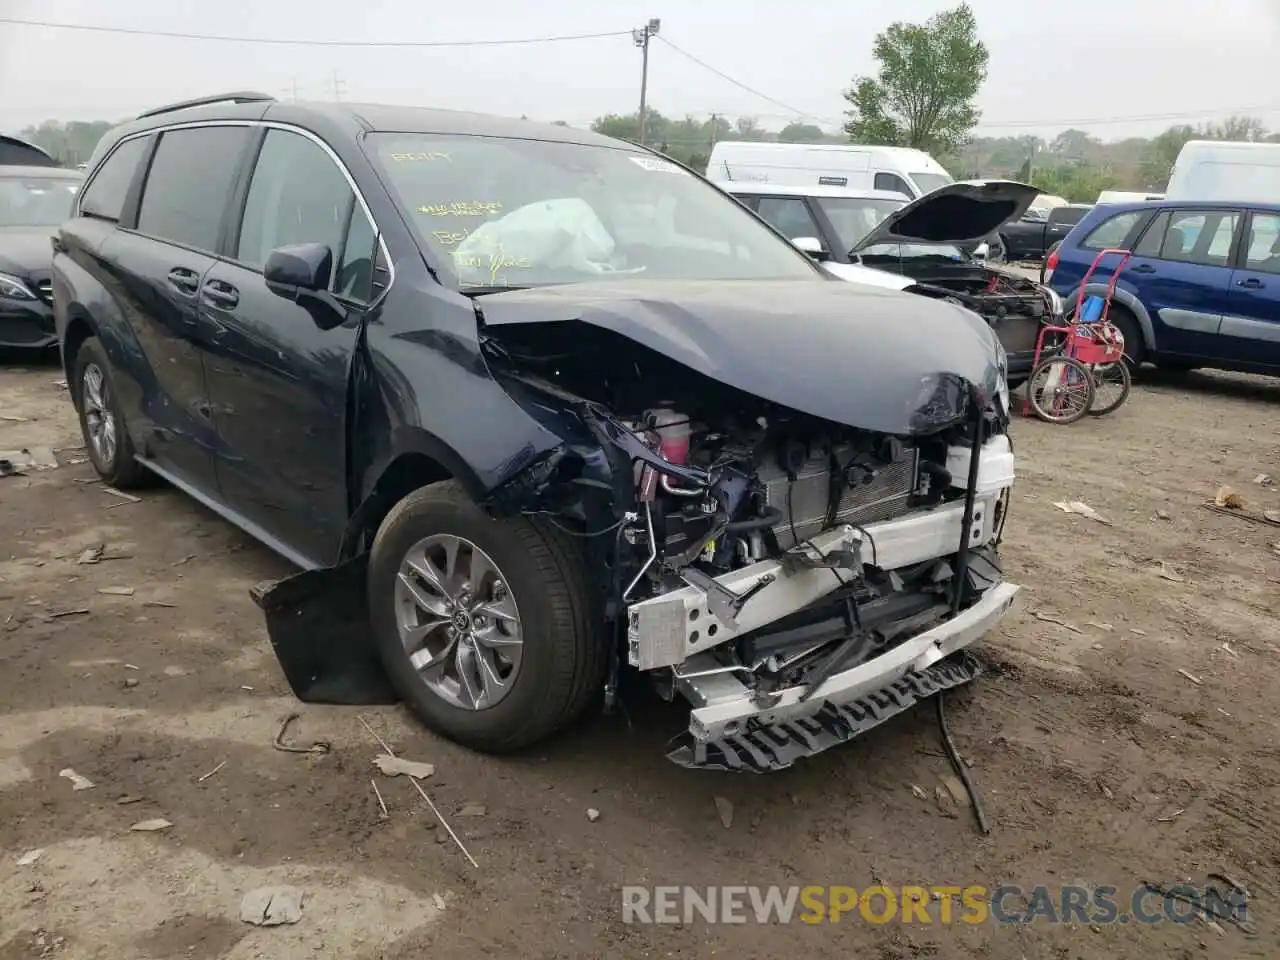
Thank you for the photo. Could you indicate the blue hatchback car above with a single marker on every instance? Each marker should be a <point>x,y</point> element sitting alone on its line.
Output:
<point>1202,288</point>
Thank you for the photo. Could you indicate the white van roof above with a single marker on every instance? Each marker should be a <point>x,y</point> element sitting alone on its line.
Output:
<point>853,157</point>
<point>1226,170</point>
<point>756,188</point>
<point>1127,196</point>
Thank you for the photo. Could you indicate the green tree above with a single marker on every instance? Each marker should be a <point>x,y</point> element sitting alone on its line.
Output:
<point>1074,145</point>
<point>797,132</point>
<point>748,128</point>
<point>1079,183</point>
<point>1235,128</point>
<point>924,94</point>
<point>1161,151</point>
<point>687,140</point>
<point>69,143</point>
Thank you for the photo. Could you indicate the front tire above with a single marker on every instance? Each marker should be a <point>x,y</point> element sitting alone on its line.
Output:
<point>106,435</point>
<point>490,629</point>
<point>1060,390</point>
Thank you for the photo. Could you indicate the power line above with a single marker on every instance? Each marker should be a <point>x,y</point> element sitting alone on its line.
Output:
<point>1134,118</point>
<point>275,41</point>
<point>737,83</point>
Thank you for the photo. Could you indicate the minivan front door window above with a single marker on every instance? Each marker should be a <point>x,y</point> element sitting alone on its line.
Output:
<point>296,196</point>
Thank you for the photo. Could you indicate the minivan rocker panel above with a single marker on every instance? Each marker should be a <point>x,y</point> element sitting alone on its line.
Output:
<point>524,443</point>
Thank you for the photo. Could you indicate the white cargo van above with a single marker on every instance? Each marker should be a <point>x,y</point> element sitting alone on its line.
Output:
<point>1226,170</point>
<point>1127,196</point>
<point>903,170</point>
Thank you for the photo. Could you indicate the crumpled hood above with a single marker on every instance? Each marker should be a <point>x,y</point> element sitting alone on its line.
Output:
<point>858,355</point>
<point>959,212</point>
<point>23,249</point>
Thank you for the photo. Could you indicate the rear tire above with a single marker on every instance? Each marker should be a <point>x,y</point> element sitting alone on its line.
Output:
<point>1109,375</point>
<point>539,572</point>
<point>106,435</point>
<point>1135,350</point>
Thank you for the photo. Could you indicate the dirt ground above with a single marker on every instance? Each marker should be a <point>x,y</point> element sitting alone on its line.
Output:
<point>1126,732</point>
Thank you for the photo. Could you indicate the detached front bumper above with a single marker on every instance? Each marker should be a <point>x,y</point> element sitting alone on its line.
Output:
<point>731,728</point>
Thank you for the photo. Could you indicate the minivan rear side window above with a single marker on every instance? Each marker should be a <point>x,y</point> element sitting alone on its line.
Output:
<point>1110,233</point>
<point>104,198</point>
<point>188,188</point>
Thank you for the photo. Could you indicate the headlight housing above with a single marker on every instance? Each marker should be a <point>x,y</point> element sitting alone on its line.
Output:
<point>11,288</point>
<point>1002,385</point>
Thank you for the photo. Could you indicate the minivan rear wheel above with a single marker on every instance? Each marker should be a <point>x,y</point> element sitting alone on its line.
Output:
<point>106,436</point>
<point>488,628</point>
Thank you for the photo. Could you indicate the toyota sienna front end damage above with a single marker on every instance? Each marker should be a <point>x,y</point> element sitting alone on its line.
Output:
<point>599,420</point>
<point>791,528</point>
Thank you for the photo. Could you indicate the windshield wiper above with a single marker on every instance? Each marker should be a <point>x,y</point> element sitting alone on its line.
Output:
<point>480,290</point>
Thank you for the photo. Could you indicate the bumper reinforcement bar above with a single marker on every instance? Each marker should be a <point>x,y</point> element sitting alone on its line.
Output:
<point>778,745</point>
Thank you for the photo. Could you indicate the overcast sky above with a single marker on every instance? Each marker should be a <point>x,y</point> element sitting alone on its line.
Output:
<point>1140,64</point>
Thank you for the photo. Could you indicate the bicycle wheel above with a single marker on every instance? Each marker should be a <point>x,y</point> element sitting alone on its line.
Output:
<point>1111,383</point>
<point>1060,390</point>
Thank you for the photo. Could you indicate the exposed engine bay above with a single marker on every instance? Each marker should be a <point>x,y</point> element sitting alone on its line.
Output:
<point>759,550</point>
<point>1014,306</point>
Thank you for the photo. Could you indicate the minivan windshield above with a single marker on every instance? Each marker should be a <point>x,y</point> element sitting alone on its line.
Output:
<point>929,182</point>
<point>35,201</point>
<point>508,212</point>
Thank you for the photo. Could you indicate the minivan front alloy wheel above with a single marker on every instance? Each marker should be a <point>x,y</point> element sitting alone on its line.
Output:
<point>490,627</point>
<point>458,621</point>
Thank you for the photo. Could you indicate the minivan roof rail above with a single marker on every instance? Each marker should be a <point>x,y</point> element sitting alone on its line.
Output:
<point>238,96</point>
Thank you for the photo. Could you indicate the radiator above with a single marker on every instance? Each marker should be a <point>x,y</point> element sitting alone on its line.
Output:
<point>886,496</point>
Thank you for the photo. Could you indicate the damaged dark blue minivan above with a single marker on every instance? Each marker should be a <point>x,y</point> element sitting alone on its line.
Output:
<point>530,407</point>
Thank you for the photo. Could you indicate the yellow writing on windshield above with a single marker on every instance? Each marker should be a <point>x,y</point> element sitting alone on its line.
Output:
<point>448,238</point>
<point>433,155</point>
<point>462,208</point>
<point>495,263</point>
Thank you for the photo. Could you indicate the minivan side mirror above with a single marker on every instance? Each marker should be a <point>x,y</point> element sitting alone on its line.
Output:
<point>811,246</point>
<point>301,273</point>
<point>302,266</point>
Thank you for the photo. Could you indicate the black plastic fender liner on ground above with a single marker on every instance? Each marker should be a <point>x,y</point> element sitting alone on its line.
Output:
<point>777,746</point>
<point>318,622</point>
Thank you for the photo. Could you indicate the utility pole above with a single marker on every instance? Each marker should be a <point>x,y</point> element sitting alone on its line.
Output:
<point>337,86</point>
<point>641,37</point>
<point>294,86</point>
<point>715,130</point>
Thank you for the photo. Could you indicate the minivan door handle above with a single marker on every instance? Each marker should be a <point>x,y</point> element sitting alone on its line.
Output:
<point>1252,283</point>
<point>220,295</point>
<point>1143,268</point>
<point>184,280</point>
